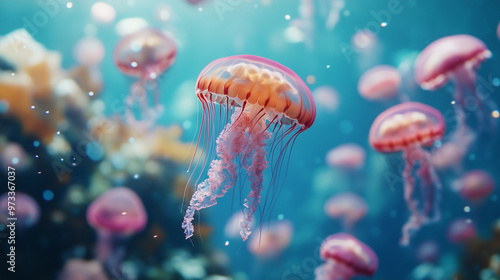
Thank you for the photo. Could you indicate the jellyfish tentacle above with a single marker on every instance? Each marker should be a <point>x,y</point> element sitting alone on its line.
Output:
<point>414,220</point>
<point>430,186</point>
<point>255,162</point>
<point>222,174</point>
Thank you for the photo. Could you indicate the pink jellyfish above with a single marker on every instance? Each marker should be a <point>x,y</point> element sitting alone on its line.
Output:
<point>408,127</point>
<point>347,206</point>
<point>345,257</point>
<point>455,58</point>
<point>461,231</point>
<point>264,97</point>
<point>273,239</point>
<point>144,54</point>
<point>348,156</point>
<point>76,269</point>
<point>365,46</point>
<point>475,185</point>
<point>20,206</point>
<point>428,251</point>
<point>89,51</point>
<point>498,30</point>
<point>14,155</point>
<point>232,228</point>
<point>116,215</point>
<point>380,82</point>
<point>327,98</point>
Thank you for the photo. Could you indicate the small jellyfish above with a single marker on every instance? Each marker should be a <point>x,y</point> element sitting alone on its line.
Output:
<point>347,156</point>
<point>461,231</point>
<point>232,228</point>
<point>365,49</point>
<point>335,7</point>
<point>145,54</point>
<point>250,98</point>
<point>345,257</point>
<point>13,155</point>
<point>380,82</point>
<point>76,269</point>
<point>407,128</point>
<point>102,12</point>
<point>428,251</point>
<point>498,30</point>
<point>274,238</point>
<point>116,215</point>
<point>474,185</point>
<point>24,208</point>
<point>347,206</point>
<point>457,58</point>
<point>88,52</point>
<point>450,154</point>
<point>327,98</point>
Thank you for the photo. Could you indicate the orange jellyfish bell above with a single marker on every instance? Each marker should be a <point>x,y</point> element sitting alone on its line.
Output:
<point>248,80</point>
<point>269,106</point>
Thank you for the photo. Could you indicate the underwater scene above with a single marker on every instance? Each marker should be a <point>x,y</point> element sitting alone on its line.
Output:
<point>250,139</point>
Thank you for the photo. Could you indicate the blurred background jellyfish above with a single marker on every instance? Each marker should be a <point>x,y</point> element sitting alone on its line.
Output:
<point>350,156</point>
<point>260,98</point>
<point>428,252</point>
<point>12,154</point>
<point>365,47</point>
<point>303,27</point>
<point>379,83</point>
<point>327,98</point>
<point>345,257</point>
<point>474,185</point>
<point>408,127</point>
<point>348,207</point>
<point>274,238</point>
<point>335,8</point>
<point>76,269</point>
<point>232,228</point>
<point>457,58</point>
<point>26,210</point>
<point>88,52</point>
<point>116,215</point>
<point>461,231</point>
<point>102,12</point>
<point>145,54</point>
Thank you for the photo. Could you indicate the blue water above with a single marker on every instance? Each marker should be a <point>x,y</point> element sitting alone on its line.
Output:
<point>205,32</point>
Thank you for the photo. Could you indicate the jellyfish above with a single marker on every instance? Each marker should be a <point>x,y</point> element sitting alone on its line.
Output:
<point>347,156</point>
<point>327,98</point>
<point>88,52</point>
<point>232,228</point>
<point>345,257</point>
<point>25,210</point>
<point>456,58</point>
<point>380,82</point>
<point>335,7</point>
<point>12,154</point>
<point>474,185</point>
<point>461,231</point>
<point>76,269</point>
<point>116,215</point>
<point>408,127</point>
<point>144,54</point>
<point>428,251</point>
<point>102,12</point>
<point>273,239</point>
<point>263,98</point>
<point>347,206</point>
